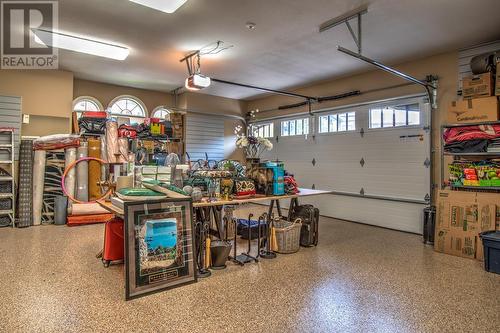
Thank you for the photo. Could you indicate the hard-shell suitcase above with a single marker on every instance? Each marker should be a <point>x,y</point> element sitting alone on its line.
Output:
<point>113,241</point>
<point>310,224</point>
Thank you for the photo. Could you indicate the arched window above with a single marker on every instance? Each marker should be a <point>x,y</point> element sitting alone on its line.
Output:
<point>86,104</point>
<point>127,106</point>
<point>161,112</point>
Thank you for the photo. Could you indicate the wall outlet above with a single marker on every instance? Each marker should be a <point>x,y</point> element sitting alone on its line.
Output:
<point>26,118</point>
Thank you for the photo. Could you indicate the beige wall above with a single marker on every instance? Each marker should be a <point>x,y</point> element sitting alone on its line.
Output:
<point>105,93</point>
<point>213,104</point>
<point>44,93</point>
<point>445,66</point>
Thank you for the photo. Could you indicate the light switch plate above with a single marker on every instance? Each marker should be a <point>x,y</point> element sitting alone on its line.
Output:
<point>26,118</point>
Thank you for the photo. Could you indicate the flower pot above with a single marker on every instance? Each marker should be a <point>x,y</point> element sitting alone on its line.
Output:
<point>251,161</point>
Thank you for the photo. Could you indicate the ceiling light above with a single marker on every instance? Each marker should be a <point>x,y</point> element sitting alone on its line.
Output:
<point>167,6</point>
<point>79,44</point>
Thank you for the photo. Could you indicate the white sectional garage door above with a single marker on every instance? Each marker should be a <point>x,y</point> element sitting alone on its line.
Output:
<point>382,174</point>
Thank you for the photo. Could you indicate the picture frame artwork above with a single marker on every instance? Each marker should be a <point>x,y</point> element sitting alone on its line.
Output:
<point>159,249</point>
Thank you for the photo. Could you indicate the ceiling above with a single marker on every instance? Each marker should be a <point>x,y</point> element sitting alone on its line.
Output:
<point>283,51</point>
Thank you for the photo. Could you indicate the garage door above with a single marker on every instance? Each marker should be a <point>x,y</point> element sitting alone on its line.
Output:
<point>204,136</point>
<point>374,156</point>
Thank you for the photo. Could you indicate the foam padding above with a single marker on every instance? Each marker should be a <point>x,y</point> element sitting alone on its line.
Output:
<point>38,181</point>
<point>82,174</point>
<point>25,201</point>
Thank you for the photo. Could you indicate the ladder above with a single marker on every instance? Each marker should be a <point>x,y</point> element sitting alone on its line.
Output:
<point>7,173</point>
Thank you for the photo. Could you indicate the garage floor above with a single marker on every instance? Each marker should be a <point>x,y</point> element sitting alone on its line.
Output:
<point>359,279</point>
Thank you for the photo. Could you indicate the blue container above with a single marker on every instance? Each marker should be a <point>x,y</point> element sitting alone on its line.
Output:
<point>278,177</point>
<point>491,244</point>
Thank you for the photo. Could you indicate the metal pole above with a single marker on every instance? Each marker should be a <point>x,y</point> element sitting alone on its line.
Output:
<point>385,68</point>
<point>280,92</point>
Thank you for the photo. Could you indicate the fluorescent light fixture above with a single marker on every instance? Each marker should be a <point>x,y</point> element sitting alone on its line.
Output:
<point>80,44</point>
<point>167,6</point>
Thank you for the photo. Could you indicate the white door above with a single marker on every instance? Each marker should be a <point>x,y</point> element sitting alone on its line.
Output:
<point>376,156</point>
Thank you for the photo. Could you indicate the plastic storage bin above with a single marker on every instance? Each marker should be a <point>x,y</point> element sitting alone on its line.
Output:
<point>491,244</point>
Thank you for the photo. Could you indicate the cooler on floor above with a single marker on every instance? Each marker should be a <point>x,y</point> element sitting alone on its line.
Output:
<point>491,244</point>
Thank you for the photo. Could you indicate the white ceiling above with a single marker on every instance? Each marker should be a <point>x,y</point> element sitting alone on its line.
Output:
<point>285,49</point>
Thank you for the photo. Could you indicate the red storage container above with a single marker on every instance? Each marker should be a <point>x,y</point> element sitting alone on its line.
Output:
<point>113,241</point>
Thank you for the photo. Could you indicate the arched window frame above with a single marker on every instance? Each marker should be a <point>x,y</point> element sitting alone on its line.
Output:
<point>90,99</point>
<point>159,109</point>
<point>133,98</point>
<point>132,118</point>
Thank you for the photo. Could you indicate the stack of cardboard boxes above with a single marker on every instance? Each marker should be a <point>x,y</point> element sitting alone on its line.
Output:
<point>480,101</point>
<point>462,216</point>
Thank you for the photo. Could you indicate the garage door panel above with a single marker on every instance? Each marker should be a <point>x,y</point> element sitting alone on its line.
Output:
<point>394,215</point>
<point>393,168</point>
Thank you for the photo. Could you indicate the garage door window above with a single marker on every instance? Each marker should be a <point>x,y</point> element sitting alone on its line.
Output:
<point>340,122</point>
<point>395,116</point>
<point>263,130</point>
<point>295,127</point>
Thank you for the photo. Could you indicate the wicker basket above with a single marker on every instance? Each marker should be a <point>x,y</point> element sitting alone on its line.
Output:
<point>287,236</point>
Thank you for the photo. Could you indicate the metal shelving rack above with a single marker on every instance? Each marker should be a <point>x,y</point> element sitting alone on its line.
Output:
<point>457,156</point>
<point>9,147</point>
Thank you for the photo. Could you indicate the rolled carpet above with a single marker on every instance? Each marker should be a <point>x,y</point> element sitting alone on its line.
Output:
<point>25,201</point>
<point>86,209</point>
<point>38,184</point>
<point>94,176</point>
<point>75,220</point>
<point>70,181</point>
<point>82,174</point>
<point>112,148</point>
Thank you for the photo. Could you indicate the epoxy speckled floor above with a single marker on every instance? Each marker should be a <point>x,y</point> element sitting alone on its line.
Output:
<point>359,279</point>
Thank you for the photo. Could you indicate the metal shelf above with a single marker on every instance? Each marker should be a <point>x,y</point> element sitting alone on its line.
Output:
<point>481,188</point>
<point>472,124</point>
<point>473,154</point>
<point>11,195</point>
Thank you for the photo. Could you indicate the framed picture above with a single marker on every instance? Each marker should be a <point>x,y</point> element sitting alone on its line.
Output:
<point>159,251</point>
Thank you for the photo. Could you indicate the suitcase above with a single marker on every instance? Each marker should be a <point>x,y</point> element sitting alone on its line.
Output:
<point>113,241</point>
<point>310,224</point>
<point>242,229</point>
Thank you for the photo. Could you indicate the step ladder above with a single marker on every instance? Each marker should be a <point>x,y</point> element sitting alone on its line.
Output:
<point>7,174</point>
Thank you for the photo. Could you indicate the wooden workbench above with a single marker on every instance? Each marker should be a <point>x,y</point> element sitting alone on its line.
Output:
<point>304,192</point>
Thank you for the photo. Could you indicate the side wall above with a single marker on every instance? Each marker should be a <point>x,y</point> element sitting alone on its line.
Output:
<point>105,93</point>
<point>47,97</point>
<point>445,66</point>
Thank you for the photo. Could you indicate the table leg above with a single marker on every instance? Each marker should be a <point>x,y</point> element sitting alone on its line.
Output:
<point>278,207</point>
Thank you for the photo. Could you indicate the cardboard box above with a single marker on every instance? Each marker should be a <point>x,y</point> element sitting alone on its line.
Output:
<point>473,110</point>
<point>461,217</point>
<point>491,200</point>
<point>480,85</point>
